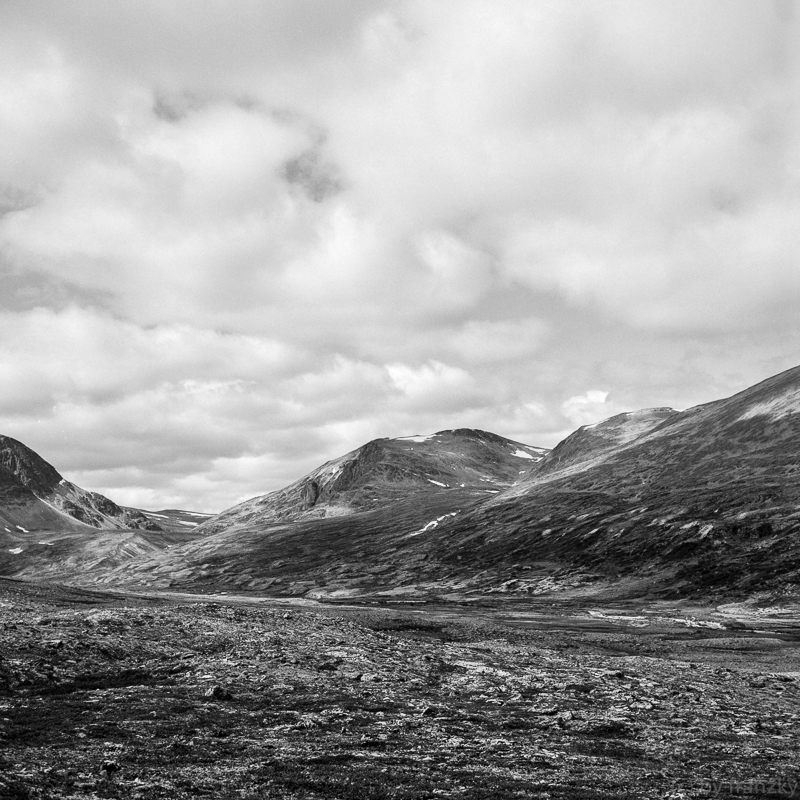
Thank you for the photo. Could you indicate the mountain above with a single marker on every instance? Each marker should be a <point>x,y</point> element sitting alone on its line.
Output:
<point>706,499</point>
<point>696,502</point>
<point>599,440</point>
<point>385,471</point>
<point>350,523</point>
<point>34,496</point>
<point>702,502</point>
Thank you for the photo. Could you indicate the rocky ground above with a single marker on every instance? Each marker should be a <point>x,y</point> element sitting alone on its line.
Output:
<point>109,696</point>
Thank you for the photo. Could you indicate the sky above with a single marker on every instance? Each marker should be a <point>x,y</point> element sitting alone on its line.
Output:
<point>239,238</point>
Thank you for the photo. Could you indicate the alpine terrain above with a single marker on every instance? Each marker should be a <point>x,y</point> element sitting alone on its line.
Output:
<point>455,615</point>
<point>656,500</point>
<point>356,523</point>
<point>33,495</point>
<point>700,500</point>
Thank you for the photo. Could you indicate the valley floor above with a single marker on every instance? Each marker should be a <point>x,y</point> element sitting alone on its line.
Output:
<point>134,696</point>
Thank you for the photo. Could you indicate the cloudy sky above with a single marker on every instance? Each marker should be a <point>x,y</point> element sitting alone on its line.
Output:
<point>239,238</point>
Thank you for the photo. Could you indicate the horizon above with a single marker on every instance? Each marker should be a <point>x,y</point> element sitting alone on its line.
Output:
<point>236,243</point>
<point>419,436</point>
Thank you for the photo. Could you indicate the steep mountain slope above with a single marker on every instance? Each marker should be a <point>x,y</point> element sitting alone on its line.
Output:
<point>33,495</point>
<point>384,471</point>
<point>707,498</point>
<point>21,509</point>
<point>593,442</point>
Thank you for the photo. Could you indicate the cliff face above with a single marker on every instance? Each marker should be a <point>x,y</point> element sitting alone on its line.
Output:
<point>33,490</point>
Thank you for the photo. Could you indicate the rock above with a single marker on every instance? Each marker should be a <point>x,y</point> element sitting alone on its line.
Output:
<point>219,693</point>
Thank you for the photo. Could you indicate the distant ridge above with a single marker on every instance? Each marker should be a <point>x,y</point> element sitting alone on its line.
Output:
<point>703,502</point>
<point>386,470</point>
<point>34,496</point>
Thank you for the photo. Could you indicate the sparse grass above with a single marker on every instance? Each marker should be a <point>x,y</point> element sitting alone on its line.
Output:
<point>516,714</point>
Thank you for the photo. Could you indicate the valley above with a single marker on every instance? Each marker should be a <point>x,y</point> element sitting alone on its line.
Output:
<point>163,695</point>
<point>453,614</point>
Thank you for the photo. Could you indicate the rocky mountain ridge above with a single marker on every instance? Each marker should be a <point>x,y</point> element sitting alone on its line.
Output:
<point>34,495</point>
<point>599,439</point>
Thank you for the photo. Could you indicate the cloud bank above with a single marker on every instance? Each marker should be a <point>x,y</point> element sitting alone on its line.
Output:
<point>239,239</point>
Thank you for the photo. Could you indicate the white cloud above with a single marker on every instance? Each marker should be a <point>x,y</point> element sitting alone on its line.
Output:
<point>587,408</point>
<point>434,387</point>
<point>235,242</point>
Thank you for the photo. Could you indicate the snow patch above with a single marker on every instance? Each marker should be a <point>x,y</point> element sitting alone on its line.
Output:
<point>160,516</point>
<point>331,470</point>
<point>20,528</point>
<point>415,438</point>
<point>49,544</point>
<point>430,480</point>
<point>522,454</point>
<point>189,524</point>
<point>433,523</point>
<point>15,550</point>
<point>781,406</point>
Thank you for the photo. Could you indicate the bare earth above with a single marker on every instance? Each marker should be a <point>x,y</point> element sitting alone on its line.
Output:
<point>177,696</point>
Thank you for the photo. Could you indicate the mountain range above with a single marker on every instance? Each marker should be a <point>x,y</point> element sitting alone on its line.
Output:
<point>708,497</point>
<point>657,501</point>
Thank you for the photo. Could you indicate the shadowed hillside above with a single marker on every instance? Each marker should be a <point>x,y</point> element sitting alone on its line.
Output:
<point>708,498</point>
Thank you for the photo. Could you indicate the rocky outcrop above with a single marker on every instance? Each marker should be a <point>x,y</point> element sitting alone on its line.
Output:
<point>27,481</point>
<point>29,468</point>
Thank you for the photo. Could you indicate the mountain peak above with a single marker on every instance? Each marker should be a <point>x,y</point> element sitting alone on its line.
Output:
<point>384,471</point>
<point>43,499</point>
<point>30,469</point>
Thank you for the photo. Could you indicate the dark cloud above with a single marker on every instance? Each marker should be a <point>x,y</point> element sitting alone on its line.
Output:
<point>320,180</point>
